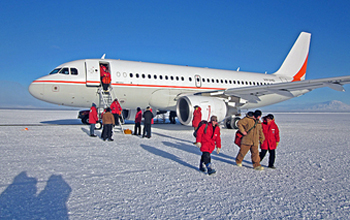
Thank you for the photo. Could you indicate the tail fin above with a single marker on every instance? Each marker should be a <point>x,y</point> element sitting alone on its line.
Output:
<point>294,66</point>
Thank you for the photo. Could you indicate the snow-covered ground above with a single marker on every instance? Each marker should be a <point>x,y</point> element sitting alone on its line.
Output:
<point>54,170</point>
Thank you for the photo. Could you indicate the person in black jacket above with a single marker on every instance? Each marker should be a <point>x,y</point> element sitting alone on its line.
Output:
<point>148,116</point>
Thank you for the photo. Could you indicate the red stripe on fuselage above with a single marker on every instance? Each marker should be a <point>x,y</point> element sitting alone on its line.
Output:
<point>127,85</point>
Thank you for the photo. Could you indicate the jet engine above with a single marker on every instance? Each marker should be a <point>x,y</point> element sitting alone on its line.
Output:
<point>209,105</point>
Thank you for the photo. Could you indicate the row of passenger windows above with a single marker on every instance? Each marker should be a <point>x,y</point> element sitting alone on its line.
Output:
<point>74,71</point>
<point>178,78</point>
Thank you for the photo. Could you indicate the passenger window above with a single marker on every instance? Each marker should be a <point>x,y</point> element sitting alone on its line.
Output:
<point>143,76</point>
<point>190,79</point>
<point>166,77</point>
<point>149,76</point>
<point>155,76</point>
<point>160,77</point>
<point>137,75</point>
<point>131,75</point>
<point>64,71</point>
<point>182,78</point>
<point>171,77</point>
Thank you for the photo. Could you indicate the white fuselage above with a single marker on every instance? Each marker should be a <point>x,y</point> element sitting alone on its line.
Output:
<point>139,84</point>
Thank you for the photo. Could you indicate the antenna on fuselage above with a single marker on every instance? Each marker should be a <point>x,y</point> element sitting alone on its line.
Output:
<point>103,56</point>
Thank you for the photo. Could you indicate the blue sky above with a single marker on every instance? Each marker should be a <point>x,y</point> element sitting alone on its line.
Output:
<point>37,36</point>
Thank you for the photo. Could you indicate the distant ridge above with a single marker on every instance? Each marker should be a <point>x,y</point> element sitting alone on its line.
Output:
<point>330,106</point>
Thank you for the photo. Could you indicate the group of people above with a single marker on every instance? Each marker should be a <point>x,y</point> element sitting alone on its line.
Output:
<point>255,133</point>
<point>112,116</point>
<point>147,123</point>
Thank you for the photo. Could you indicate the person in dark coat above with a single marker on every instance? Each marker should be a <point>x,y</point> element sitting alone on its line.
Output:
<point>93,118</point>
<point>148,116</point>
<point>138,118</point>
<point>172,116</point>
<point>272,138</point>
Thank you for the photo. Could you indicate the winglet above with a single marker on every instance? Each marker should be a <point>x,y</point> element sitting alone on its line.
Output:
<point>103,56</point>
<point>295,64</point>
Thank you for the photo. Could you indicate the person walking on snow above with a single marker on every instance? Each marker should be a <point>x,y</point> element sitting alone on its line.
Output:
<point>138,118</point>
<point>250,140</point>
<point>148,115</point>
<point>108,122</point>
<point>197,116</point>
<point>208,136</point>
<point>272,138</point>
<point>93,118</point>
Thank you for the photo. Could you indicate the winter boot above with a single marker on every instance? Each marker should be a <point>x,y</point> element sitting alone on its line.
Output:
<point>210,169</point>
<point>202,167</point>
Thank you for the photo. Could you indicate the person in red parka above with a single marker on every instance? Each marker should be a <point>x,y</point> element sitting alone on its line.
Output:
<point>105,77</point>
<point>138,118</point>
<point>93,118</point>
<point>208,136</point>
<point>197,116</point>
<point>272,138</point>
<point>116,111</point>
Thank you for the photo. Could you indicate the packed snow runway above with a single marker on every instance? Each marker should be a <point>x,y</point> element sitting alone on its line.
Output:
<point>54,170</point>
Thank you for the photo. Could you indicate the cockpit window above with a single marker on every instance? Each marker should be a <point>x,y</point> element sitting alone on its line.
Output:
<point>55,71</point>
<point>73,71</point>
<point>64,71</point>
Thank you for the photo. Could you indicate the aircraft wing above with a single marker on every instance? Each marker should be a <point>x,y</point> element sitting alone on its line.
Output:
<point>252,93</point>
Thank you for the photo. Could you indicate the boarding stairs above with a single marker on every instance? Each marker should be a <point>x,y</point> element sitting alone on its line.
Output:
<point>105,101</point>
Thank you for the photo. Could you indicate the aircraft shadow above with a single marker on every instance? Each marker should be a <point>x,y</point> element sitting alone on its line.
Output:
<point>97,132</point>
<point>19,200</point>
<point>194,150</point>
<point>164,154</point>
<point>63,122</point>
<point>179,139</point>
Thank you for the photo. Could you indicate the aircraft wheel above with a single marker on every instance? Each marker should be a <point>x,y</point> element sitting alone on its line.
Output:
<point>85,120</point>
<point>231,123</point>
<point>98,125</point>
<point>235,121</point>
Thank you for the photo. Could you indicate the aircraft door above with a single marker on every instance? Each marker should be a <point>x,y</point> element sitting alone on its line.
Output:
<point>198,80</point>
<point>92,70</point>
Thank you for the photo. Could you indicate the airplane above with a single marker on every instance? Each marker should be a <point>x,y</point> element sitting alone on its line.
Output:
<point>163,87</point>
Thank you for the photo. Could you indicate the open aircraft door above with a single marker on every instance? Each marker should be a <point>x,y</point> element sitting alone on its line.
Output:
<point>92,69</point>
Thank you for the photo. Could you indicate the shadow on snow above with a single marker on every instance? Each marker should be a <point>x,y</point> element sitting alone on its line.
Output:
<point>19,200</point>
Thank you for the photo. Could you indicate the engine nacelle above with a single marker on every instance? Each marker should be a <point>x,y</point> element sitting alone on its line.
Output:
<point>209,105</point>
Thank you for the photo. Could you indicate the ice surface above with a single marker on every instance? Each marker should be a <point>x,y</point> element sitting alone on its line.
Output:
<point>54,170</point>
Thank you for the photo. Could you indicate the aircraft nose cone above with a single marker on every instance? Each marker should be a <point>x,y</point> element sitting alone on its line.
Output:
<point>36,90</point>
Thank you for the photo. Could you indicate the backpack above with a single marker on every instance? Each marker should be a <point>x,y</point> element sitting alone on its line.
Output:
<point>203,122</point>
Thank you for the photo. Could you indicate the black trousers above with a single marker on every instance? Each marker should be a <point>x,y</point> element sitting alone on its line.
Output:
<point>271,157</point>
<point>147,130</point>
<point>107,131</point>
<point>137,128</point>
<point>116,119</point>
<point>205,158</point>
